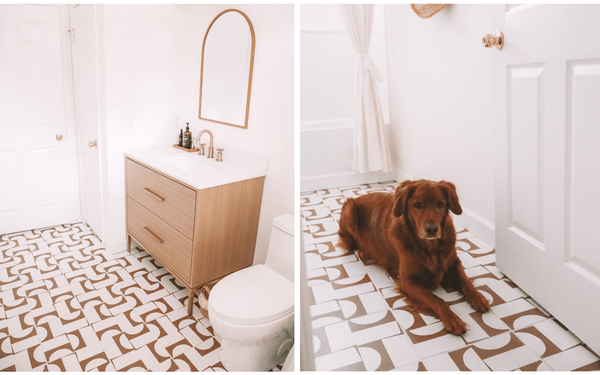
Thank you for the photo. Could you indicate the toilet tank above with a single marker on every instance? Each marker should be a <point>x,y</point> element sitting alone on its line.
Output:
<point>280,255</point>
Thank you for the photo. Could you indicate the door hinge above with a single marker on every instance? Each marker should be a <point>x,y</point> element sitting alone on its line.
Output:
<point>72,32</point>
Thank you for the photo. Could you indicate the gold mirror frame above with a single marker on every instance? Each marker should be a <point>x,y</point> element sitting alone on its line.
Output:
<point>245,126</point>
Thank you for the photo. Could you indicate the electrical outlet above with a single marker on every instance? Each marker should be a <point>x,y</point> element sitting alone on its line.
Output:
<point>175,121</point>
<point>127,125</point>
<point>226,116</point>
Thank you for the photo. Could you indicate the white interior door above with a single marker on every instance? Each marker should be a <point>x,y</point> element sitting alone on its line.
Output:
<point>85,76</point>
<point>547,95</point>
<point>39,183</point>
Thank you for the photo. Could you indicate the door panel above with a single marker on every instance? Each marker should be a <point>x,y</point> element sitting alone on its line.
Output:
<point>547,90</point>
<point>583,165</point>
<point>10,188</point>
<point>526,130</point>
<point>5,111</point>
<point>44,171</point>
<point>85,73</point>
<point>39,173</point>
<point>35,80</point>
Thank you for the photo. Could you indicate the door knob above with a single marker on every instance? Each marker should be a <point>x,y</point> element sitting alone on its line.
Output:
<point>93,144</point>
<point>490,40</point>
<point>59,137</point>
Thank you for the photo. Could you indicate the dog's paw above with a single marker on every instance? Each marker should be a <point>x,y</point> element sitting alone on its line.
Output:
<point>429,312</point>
<point>479,302</point>
<point>454,325</point>
<point>365,258</point>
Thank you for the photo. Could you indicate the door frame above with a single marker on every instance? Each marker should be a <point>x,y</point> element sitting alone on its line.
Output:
<point>81,142</point>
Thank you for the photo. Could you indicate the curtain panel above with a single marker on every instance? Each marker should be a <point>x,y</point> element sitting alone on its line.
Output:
<point>371,151</point>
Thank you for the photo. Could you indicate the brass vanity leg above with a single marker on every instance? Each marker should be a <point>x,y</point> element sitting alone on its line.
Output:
<point>191,302</point>
<point>128,242</point>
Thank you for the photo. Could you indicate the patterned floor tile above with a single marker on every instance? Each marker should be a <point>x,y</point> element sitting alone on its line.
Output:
<point>375,356</point>
<point>341,360</point>
<point>66,304</point>
<point>361,322</point>
<point>167,366</point>
<point>93,357</point>
<point>360,331</point>
<point>577,358</point>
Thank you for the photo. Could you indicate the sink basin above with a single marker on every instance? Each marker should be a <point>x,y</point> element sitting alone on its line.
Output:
<point>200,172</point>
<point>186,163</point>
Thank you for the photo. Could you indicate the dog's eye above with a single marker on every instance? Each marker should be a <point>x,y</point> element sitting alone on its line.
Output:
<point>418,205</point>
<point>440,204</point>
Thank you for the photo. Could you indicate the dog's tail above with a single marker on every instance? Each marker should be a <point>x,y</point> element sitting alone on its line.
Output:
<point>348,226</point>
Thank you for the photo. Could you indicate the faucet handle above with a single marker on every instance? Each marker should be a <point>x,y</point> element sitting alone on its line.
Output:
<point>201,146</point>
<point>220,154</point>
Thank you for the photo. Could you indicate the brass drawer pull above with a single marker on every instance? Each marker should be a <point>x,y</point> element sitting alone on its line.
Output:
<point>158,239</point>
<point>153,194</point>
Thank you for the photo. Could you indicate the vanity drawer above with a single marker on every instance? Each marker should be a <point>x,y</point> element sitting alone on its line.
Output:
<point>164,242</point>
<point>172,201</point>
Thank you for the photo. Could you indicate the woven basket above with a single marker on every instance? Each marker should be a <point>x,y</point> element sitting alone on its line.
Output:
<point>426,10</point>
<point>203,300</point>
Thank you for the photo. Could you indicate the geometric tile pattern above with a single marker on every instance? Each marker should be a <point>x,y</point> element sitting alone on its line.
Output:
<point>361,322</point>
<point>66,304</point>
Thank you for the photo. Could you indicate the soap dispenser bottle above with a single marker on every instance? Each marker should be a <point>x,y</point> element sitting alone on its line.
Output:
<point>180,144</point>
<point>187,136</point>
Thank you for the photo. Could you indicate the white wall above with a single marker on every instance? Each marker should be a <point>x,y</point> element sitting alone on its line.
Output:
<point>327,72</point>
<point>271,119</point>
<point>143,45</point>
<point>152,72</point>
<point>441,104</point>
<point>327,60</point>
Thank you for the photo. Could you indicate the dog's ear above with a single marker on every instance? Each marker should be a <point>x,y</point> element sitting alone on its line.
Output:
<point>401,196</point>
<point>449,191</point>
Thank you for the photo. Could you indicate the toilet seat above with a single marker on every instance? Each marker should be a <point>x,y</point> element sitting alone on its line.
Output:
<point>251,296</point>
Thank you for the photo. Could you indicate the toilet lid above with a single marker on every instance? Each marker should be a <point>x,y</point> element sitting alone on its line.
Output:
<point>253,295</point>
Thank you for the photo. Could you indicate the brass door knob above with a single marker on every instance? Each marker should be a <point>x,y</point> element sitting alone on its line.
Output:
<point>59,137</point>
<point>93,144</point>
<point>490,40</point>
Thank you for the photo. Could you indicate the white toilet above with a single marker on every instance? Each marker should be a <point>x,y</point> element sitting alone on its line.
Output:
<point>252,310</point>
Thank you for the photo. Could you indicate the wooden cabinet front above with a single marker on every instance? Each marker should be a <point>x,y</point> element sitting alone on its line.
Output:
<point>166,243</point>
<point>173,202</point>
<point>199,235</point>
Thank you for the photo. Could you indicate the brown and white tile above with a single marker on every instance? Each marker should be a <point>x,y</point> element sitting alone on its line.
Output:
<point>66,304</point>
<point>361,322</point>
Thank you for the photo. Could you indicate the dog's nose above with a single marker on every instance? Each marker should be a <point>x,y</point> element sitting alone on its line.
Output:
<point>431,229</point>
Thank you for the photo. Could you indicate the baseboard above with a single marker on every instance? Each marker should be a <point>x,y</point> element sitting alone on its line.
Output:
<point>343,179</point>
<point>401,175</point>
<point>116,247</point>
<point>478,225</point>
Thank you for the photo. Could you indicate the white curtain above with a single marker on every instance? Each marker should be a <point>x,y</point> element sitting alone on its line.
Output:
<point>371,152</point>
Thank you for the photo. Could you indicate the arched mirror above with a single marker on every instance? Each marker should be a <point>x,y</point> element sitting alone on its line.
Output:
<point>226,73</point>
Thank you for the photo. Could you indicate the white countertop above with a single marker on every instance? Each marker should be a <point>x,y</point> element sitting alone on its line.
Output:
<point>237,165</point>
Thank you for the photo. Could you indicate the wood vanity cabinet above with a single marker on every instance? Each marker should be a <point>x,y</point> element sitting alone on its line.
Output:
<point>199,235</point>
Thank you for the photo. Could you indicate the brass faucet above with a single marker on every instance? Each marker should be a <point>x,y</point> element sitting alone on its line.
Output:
<point>211,149</point>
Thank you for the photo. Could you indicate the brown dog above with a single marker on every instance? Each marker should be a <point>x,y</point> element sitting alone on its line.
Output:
<point>410,235</point>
